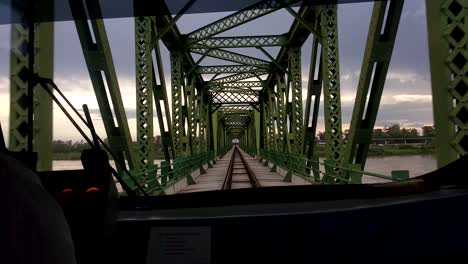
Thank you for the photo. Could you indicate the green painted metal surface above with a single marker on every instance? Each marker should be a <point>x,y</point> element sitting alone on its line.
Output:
<point>98,58</point>
<point>144,97</point>
<point>260,102</point>
<point>331,79</point>
<point>42,103</point>
<point>448,49</point>
<point>373,74</point>
<point>240,42</point>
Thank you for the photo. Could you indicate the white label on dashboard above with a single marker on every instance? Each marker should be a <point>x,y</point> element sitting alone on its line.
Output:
<point>174,245</point>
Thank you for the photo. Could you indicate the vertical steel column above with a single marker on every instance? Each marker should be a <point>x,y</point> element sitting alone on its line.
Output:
<point>202,111</point>
<point>43,104</point>
<point>192,108</point>
<point>214,132</point>
<point>447,22</point>
<point>314,90</point>
<point>266,119</point>
<point>258,131</point>
<point>160,96</point>
<point>144,102</point>
<point>374,69</point>
<point>331,77</point>
<point>272,121</point>
<point>177,97</point>
<point>281,100</point>
<point>261,123</point>
<point>19,74</point>
<point>296,139</point>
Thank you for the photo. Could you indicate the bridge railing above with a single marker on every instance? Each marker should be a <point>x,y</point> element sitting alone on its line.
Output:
<point>161,177</point>
<point>324,172</point>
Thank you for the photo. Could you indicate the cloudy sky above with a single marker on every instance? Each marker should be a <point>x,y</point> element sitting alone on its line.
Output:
<point>406,98</point>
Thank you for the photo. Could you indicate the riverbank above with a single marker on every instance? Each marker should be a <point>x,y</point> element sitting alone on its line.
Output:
<point>374,150</point>
<point>390,150</point>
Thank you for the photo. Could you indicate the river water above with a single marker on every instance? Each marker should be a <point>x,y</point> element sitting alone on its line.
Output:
<point>415,164</point>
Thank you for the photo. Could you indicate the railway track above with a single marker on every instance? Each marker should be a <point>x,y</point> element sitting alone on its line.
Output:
<point>239,175</point>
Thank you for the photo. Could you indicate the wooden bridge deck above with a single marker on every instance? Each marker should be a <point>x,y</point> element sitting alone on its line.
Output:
<point>214,177</point>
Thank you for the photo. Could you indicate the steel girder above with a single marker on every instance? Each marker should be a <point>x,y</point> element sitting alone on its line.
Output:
<point>178,118</point>
<point>448,49</point>
<point>281,121</point>
<point>238,18</point>
<point>290,55</point>
<point>314,89</point>
<point>144,101</point>
<point>272,114</point>
<point>296,119</point>
<point>192,117</point>
<point>240,42</point>
<point>331,78</point>
<point>101,69</point>
<point>160,97</point>
<point>374,69</point>
<point>234,95</point>
<point>228,69</point>
<point>233,56</point>
<point>239,119</point>
<point>237,77</point>
<point>19,97</point>
<point>241,84</point>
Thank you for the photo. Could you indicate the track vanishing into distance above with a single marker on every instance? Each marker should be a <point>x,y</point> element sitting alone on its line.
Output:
<point>232,171</point>
<point>239,175</point>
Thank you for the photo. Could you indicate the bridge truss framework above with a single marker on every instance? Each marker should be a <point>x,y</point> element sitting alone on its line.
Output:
<point>259,101</point>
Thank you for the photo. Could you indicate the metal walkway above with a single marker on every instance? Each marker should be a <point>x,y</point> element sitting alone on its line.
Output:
<point>214,178</point>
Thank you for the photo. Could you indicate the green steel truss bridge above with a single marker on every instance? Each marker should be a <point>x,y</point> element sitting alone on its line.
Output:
<point>256,100</point>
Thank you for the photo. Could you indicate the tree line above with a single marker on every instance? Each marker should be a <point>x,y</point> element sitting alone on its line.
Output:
<point>69,146</point>
<point>393,131</point>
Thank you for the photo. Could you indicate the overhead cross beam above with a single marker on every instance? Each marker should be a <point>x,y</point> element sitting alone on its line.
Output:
<point>235,96</point>
<point>241,84</point>
<point>228,69</point>
<point>238,18</point>
<point>233,56</point>
<point>240,42</point>
<point>238,77</point>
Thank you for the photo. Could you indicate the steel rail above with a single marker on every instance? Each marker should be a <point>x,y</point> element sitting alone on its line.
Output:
<point>227,184</point>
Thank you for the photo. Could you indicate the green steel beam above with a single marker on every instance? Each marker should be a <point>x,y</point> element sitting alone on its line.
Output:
<point>296,122</point>
<point>448,53</point>
<point>281,68</point>
<point>258,138</point>
<point>377,57</point>
<point>241,84</point>
<point>215,132</point>
<point>314,89</point>
<point>98,58</point>
<point>160,97</point>
<point>236,77</point>
<point>272,113</point>
<point>178,120</point>
<point>264,119</point>
<point>236,19</point>
<point>240,42</point>
<point>233,56</point>
<point>144,102</point>
<point>19,68</point>
<point>203,127</point>
<point>228,69</point>
<point>281,101</point>
<point>331,77</point>
<point>192,107</point>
